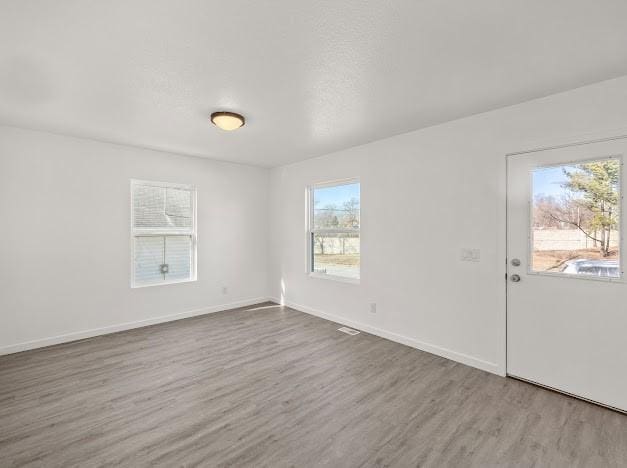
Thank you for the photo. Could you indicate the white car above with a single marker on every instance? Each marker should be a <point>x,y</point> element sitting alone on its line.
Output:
<point>603,268</point>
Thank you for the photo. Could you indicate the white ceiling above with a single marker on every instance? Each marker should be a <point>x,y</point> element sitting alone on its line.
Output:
<point>310,76</point>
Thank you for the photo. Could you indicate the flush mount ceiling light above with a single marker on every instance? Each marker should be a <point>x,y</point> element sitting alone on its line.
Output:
<point>227,120</point>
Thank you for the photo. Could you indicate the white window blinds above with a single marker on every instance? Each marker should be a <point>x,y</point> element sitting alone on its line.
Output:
<point>163,233</point>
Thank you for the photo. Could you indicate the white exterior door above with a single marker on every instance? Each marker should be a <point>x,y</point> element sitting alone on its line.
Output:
<point>566,290</point>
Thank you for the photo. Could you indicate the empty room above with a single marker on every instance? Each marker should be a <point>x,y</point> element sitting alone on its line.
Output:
<point>349,233</point>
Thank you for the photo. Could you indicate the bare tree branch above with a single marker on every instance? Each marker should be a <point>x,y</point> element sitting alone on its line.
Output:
<point>576,225</point>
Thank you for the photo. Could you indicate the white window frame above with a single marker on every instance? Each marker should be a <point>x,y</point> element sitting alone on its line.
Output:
<point>311,231</point>
<point>530,244</point>
<point>143,232</point>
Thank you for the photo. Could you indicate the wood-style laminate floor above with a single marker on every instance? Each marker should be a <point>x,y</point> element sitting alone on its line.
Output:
<point>269,386</point>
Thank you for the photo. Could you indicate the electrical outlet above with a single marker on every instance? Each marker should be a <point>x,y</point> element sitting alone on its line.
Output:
<point>373,307</point>
<point>225,290</point>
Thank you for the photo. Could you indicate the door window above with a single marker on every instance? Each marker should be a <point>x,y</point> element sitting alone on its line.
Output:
<point>575,225</point>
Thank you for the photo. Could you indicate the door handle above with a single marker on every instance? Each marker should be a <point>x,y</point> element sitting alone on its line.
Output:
<point>515,278</point>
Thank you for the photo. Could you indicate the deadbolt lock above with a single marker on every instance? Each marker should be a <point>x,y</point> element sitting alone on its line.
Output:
<point>515,262</point>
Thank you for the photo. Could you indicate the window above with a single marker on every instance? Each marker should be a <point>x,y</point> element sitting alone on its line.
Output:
<point>334,220</point>
<point>163,231</point>
<point>575,225</point>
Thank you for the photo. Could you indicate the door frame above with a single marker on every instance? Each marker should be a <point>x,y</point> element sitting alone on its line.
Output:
<point>583,140</point>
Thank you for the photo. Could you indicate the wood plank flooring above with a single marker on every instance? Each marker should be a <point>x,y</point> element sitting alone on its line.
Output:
<point>269,386</point>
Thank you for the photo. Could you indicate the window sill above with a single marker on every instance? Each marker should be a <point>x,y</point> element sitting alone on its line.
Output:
<point>163,283</point>
<point>339,279</point>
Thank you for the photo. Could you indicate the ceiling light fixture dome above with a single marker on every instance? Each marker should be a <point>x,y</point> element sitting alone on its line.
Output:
<point>227,120</point>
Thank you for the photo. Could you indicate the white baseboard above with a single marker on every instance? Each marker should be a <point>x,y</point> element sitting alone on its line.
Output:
<point>81,335</point>
<point>421,345</point>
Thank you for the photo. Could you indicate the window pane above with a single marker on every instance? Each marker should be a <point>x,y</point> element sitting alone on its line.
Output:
<point>178,252</point>
<point>148,206</point>
<point>161,207</point>
<point>336,207</point>
<point>178,207</point>
<point>148,259</point>
<point>336,254</point>
<point>575,223</point>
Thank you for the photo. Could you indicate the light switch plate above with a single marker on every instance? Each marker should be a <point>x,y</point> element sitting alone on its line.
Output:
<point>470,255</point>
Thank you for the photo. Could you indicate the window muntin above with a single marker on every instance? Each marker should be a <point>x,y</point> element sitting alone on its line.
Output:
<point>575,219</point>
<point>163,231</point>
<point>334,230</point>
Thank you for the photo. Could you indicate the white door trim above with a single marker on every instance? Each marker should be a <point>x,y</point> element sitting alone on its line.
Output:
<point>566,145</point>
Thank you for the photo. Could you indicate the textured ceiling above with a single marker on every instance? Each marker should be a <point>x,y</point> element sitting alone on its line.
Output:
<point>310,76</point>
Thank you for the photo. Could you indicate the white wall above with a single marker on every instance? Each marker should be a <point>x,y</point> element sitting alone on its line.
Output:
<point>64,241</point>
<point>439,189</point>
